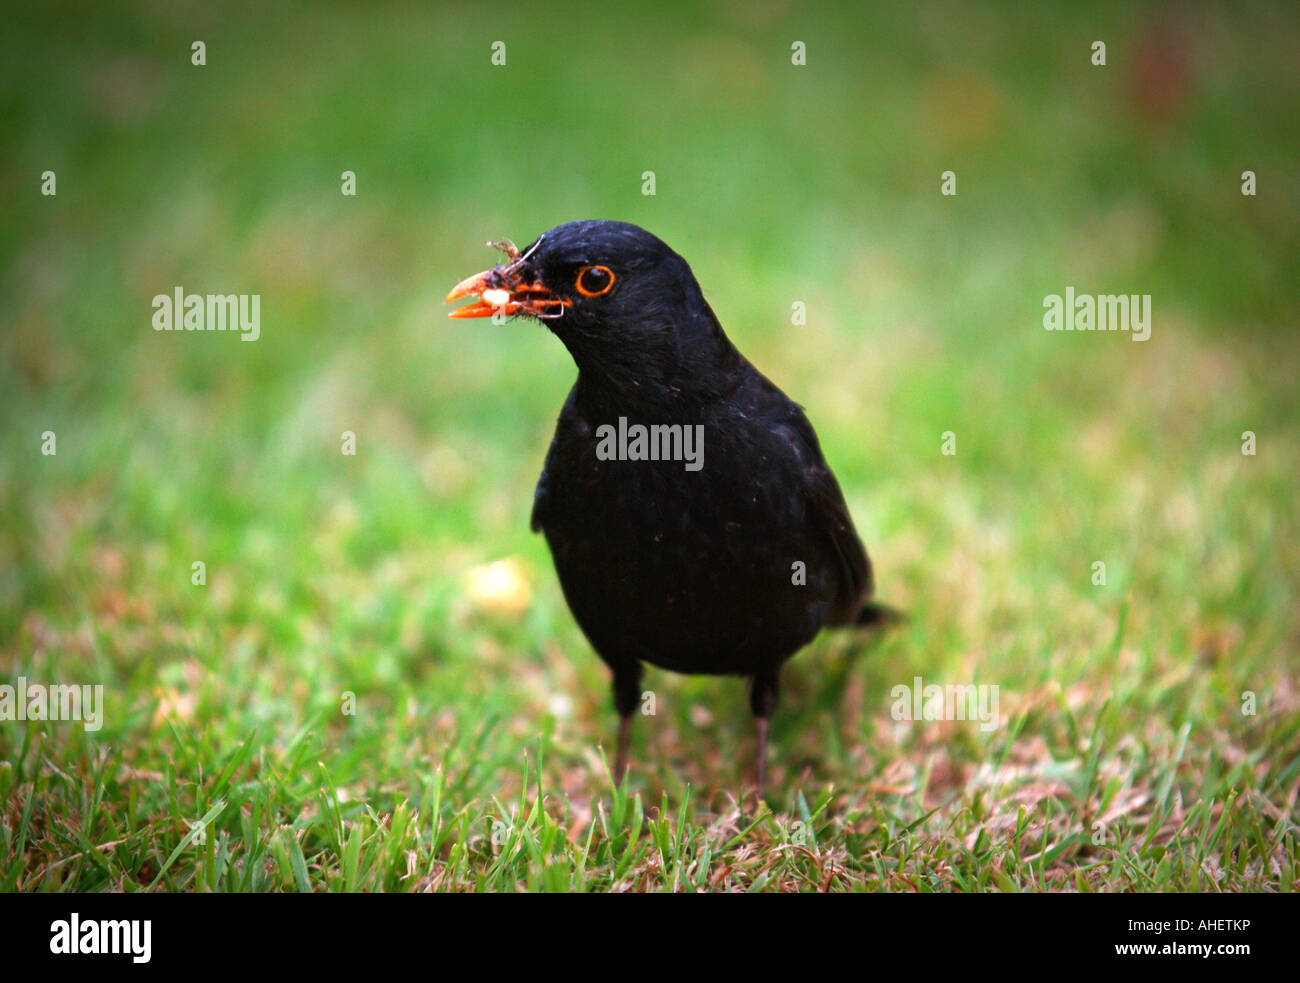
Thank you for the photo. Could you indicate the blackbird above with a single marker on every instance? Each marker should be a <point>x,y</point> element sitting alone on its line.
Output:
<point>693,521</point>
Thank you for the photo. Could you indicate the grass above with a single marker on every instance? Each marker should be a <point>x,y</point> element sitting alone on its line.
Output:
<point>474,755</point>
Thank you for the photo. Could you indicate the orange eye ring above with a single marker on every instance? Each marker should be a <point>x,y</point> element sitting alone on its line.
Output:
<point>603,272</point>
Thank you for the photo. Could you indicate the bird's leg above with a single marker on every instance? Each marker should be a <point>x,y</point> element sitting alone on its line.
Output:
<point>762,755</point>
<point>620,762</point>
<point>627,696</point>
<point>763,690</point>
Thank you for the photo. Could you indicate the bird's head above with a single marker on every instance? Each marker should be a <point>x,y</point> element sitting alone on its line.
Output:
<point>623,303</point>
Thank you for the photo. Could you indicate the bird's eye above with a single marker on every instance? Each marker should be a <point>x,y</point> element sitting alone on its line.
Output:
<point>594,280</point>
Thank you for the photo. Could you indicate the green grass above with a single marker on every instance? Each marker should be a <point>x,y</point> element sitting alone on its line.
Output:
<point>474,758</point>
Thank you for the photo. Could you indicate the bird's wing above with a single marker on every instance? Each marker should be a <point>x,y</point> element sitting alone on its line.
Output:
<point>541,495</point>
<point>830,515</point>
<point>564,427</point>
<point>539,501</point>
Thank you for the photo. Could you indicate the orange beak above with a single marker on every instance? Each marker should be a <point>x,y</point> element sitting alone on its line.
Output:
<point>502,290</point>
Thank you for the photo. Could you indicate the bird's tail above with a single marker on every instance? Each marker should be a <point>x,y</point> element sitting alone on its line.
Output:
<point>873,614</point>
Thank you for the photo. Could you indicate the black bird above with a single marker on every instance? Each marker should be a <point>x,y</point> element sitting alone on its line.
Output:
<point>720,542</point>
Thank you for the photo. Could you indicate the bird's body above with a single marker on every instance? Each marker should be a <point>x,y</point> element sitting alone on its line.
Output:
<point>727,566</point>
<point>729,569</point>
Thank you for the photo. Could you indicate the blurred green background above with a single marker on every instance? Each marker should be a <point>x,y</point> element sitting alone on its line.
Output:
<point>778,183</point>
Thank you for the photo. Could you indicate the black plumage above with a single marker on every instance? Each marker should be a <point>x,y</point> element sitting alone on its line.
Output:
<point>696,571</point>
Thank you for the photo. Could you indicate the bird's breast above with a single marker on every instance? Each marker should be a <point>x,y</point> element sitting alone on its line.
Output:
<point>697,563</point>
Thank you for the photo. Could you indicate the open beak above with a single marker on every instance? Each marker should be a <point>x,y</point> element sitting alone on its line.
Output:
<point>502,289</point>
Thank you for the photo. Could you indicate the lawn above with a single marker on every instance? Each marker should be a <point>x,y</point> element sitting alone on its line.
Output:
<point>371,680</point>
